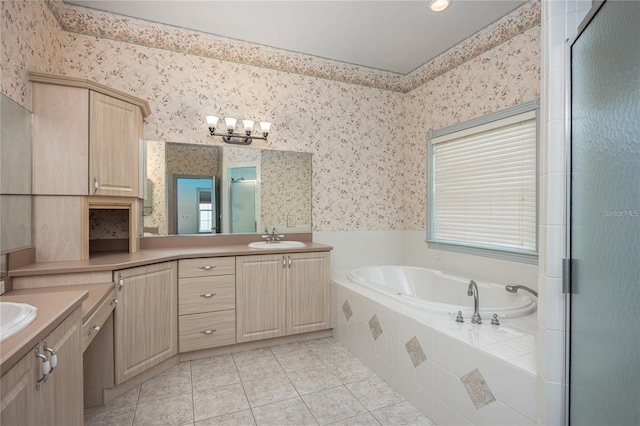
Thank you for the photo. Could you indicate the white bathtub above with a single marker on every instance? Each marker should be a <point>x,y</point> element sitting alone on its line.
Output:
<point>436,292</point>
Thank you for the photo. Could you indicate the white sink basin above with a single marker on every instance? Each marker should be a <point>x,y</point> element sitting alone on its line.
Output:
<point>14,317</point>
<point>276,245</point>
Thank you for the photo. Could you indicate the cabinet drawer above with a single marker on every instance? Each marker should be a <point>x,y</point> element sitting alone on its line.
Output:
<point>206,266</point>
<point>197,330</point>
<point>206,294</point>
<point>97,319</point>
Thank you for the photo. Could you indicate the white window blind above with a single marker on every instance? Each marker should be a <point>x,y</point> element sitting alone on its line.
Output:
<point>484,185</point>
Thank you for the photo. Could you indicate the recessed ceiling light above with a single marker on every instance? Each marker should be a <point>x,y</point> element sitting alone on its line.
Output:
<point>439,5</point>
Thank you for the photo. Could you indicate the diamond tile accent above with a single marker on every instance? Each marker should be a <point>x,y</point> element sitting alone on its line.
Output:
<point>346,308</point>
<point>477,389</point>
<point>415,352</point>
<point>374,325</point>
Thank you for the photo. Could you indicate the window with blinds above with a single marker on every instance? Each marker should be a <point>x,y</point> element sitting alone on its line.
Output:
<point>482,186</point>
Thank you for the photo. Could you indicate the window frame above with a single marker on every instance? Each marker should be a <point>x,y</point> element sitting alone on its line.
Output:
<point>524,256</point>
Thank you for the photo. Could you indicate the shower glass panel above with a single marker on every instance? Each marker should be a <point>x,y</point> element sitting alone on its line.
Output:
<point>243,206</point>
<point>605,219</point>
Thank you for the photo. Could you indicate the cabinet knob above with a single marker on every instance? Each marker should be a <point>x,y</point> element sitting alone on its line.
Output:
<point>207,295</point>
<point>211,331</point>
<point>114,302</point>
<point>96,185</point>
<point>207,267</point>
<point>93,329</point>
<point>120,281</point>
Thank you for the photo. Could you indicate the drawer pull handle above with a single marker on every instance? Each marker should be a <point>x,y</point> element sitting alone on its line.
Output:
<point>114,302</point>
<point>46,369</point>
<point>208,267</point>
<point>208,331</point>
<point>53,359</point>
<point>207,295</point>
<point>93,329</point>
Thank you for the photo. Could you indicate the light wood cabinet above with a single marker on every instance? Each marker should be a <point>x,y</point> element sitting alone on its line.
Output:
<point>19,392</point>
<point>145,319</point>
<point>56,401</point>
<point>207,301</point>
<point>115,132</point>
<point>308,292</point>
<point>86,138</point>
<point>260,297</point>
<point>278,295</point>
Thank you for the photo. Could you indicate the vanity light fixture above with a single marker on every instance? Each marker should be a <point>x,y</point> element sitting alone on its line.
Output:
<point>439,5</point>
<point>237,138</point>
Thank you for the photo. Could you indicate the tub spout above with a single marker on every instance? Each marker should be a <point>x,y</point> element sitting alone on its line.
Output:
<point>513,288</point>
<point>473,291</point>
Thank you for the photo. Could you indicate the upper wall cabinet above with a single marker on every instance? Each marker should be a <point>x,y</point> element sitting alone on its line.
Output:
<point>87,138</point>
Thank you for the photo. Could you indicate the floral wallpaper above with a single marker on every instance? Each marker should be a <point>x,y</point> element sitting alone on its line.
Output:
<point>505,76</point>
<point>32,40</point>
<point>91,22</point>
<point>156,160</point>
<point>285,187</point>
<point>366,129</point>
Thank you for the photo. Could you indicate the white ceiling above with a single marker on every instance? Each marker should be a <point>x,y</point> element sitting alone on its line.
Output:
<point>397,36</point>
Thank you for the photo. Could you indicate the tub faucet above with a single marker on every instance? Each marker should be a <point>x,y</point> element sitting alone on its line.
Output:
<point>473,291</point>
<point>513,288</point>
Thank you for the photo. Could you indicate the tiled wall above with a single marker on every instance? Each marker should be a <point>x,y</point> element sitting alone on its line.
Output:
<point>560,20</point>
<point>354,249</point>
<point>456,374</point>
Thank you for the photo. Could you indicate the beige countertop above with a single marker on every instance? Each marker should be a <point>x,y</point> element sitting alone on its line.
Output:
<point>96,294</point>
<point>53,308</point>
<point>114,261</point>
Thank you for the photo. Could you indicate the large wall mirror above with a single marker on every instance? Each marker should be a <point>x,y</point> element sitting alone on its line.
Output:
<point>203,190</point>
<point>15,179</point>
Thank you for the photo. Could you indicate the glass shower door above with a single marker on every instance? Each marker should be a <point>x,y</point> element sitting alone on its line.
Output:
<point>605,219</point>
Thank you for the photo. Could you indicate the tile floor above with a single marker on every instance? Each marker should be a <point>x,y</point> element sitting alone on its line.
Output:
<point>304,383</point>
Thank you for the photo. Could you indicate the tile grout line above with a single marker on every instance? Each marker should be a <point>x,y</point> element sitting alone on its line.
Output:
<point>243,389</point>
<point>193,402</point>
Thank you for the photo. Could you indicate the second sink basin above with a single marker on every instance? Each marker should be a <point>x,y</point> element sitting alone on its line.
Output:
<point>276,245</point>
<point>14,317</point>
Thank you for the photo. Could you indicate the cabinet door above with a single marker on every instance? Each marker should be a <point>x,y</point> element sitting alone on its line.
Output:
<point>114,135</point>
<point>146,319</point>
<point>308,292</point>
<point>62,393</point>
<point>260,297</point>
<point>19,399</point>
<point>60,140</point>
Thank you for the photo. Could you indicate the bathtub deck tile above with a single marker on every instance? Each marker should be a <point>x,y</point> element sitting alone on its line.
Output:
<point>374,325</point>
<point>346,308</point>
<point>415,351</point>
<point>477,389</point>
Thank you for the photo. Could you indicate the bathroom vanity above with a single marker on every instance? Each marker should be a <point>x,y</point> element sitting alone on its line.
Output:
<point>122,313</point>
<point>163,305</point>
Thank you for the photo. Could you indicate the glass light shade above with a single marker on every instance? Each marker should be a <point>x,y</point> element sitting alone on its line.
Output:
<point>265,126</point>
<point>248,125</point>
<point>212,121</point>
<point>230,122</point>
<point>439,5</point>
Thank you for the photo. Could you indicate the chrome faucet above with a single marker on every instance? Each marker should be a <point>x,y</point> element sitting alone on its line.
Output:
<point>513,288</point>
<point>473,291</point>
<point>272,237</point>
